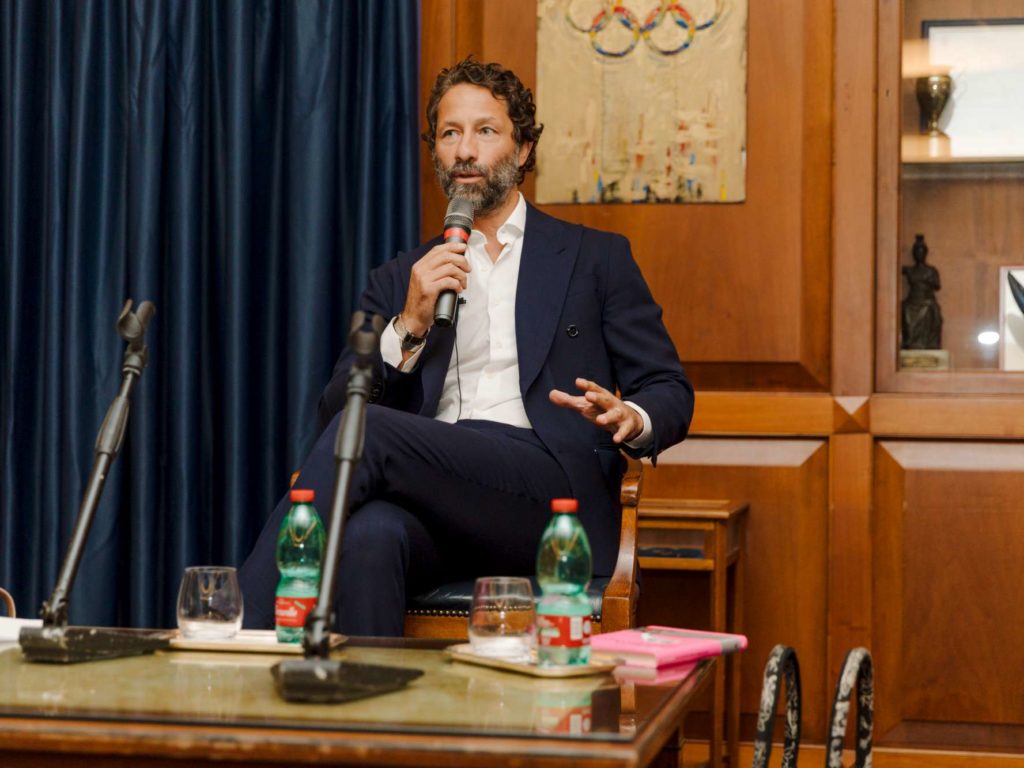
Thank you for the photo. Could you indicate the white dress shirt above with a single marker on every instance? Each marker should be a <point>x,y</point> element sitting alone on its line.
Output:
<point>482,381</point>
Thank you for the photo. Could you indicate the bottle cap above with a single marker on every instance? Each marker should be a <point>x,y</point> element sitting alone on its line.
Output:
<point>564,505</point>
<point>301,495</point>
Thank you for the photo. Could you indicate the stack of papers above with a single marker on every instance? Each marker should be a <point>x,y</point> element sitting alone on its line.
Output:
<point>661,647</point>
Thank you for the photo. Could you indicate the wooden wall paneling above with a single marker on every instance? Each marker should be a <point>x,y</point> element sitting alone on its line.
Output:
<point>437,50</point>
<point>790,414</point>
<point>849,548</point>
<point>947,539</point>
<point>887,589</point>
<point>887,192</point>
<point>853,197</point>
<point>816,191</point>
<point>728,276</point>
<point>947,416</point>
<point>785,556</point>
<point>450,31</point>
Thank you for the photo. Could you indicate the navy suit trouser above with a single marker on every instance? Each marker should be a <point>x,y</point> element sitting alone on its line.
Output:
<point>429,502</point>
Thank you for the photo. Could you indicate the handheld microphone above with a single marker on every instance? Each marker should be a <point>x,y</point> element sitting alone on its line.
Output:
<point>458,223</point>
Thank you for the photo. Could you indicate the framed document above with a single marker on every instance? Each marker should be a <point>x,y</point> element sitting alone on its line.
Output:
<point>1011,318</point>
<point>985,58</point>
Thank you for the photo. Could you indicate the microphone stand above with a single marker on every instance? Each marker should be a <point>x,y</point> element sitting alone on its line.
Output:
<point>348,451</point>
<point>316,678</point>
<point>55,641</point>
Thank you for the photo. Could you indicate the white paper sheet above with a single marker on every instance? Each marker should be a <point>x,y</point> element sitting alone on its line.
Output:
<point>9,628</point>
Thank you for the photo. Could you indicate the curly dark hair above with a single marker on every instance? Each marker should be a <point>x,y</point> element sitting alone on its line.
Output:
<point>503,85</point>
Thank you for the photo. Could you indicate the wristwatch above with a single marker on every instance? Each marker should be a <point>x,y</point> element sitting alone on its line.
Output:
<point>410,341</point>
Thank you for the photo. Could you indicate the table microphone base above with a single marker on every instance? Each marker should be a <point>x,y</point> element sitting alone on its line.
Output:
<point>324,681</point>
<point>70,645</point>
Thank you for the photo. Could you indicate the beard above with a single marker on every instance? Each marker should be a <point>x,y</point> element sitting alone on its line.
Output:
<point>498,181</point>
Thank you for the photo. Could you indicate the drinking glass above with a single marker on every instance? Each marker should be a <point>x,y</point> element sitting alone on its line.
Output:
<point>502,618</point>
<point>209,603</point>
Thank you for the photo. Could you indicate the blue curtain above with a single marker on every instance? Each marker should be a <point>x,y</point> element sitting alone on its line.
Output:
<point>241,164</point>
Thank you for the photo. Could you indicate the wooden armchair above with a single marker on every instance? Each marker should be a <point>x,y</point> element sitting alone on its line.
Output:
<point>444,612</point>
<point>6,599</point>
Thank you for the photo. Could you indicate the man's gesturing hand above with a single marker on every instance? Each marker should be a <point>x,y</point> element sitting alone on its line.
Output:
<point>443,267</point>
<point>599,406</point>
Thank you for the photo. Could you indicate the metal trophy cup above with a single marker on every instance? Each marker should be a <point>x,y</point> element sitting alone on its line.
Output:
<point>933,93</point>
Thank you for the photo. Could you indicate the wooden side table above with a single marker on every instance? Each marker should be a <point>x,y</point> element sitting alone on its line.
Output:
<point>704,535</point>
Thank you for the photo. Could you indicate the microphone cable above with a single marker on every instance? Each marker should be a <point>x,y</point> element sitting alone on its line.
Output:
<point>458,372</point>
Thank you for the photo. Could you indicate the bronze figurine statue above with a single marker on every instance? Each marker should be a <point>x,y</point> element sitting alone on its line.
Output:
<point>922,318</point>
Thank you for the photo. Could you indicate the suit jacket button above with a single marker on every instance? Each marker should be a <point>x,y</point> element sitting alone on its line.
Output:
<point>572,331</point>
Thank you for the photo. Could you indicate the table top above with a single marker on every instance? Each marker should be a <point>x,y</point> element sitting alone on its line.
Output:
<point>228,701</point>
<point>692,509</point>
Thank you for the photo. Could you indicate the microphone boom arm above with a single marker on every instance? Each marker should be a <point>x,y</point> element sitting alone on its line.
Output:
<point>132,328</point>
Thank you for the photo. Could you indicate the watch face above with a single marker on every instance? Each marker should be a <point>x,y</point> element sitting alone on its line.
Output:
<point>410,342</point>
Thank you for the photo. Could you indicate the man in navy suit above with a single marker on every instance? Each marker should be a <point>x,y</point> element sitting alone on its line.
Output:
<point>473,429</point>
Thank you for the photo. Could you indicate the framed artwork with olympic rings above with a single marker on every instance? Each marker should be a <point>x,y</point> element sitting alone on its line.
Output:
<point>642,101</point>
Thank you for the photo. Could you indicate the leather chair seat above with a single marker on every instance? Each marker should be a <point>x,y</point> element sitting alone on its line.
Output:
<point>443,612</point>
<point>453,599</point>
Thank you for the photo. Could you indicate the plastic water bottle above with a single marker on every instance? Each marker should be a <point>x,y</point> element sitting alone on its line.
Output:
<point>300,552</point>
<point>564,567</point>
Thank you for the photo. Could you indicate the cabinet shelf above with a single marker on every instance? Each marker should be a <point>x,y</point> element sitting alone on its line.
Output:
<point>963,168</point>
<point>920,149</point>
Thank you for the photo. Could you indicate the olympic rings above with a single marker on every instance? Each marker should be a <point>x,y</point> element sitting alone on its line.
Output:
<point>606,5</point>
<point>626,19</point>
<point>616,11</point>
<point>682,18</point>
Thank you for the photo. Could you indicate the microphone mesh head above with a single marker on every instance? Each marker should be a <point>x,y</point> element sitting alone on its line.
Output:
<point>459,214</point>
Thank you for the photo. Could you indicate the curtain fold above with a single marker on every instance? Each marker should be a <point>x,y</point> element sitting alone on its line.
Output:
<point>242,164</point>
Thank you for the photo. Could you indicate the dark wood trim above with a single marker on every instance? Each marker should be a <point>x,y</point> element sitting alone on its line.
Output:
<point>890,21</point>
<point>747,413</point>
<point>437,49</point>
<point>849,547</point>
<point>947,417</point>
<point>756,376</point>
<point>816,198</point>
<point>853,192</point>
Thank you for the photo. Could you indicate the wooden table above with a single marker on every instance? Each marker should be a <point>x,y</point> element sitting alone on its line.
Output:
<point>704,535</point>
<point>191,708</point>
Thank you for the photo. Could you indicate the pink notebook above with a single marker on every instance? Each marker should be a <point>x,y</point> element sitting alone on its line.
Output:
<point>663,646</point>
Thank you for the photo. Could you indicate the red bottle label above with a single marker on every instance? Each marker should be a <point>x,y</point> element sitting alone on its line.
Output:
<point>563,631</point>
<point>575,719</point>
<point>292,611</point>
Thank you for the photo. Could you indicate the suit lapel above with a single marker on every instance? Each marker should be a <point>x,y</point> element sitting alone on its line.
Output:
<point>545,268</point>
<point>437,354</point>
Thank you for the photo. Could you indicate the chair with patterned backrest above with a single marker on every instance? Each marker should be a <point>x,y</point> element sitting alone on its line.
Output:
<point>857,672</point>
<point>6,599</point>
<point>444,612</point>
<point>782,665</point>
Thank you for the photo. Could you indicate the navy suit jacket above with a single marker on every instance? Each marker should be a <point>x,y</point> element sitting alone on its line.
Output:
<point>583,309</point>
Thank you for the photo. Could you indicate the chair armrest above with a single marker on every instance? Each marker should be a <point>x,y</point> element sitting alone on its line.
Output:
<point>618,609</point>
<point>5,596</point>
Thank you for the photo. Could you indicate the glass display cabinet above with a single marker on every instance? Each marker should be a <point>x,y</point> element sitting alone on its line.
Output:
<point>950,236</point>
